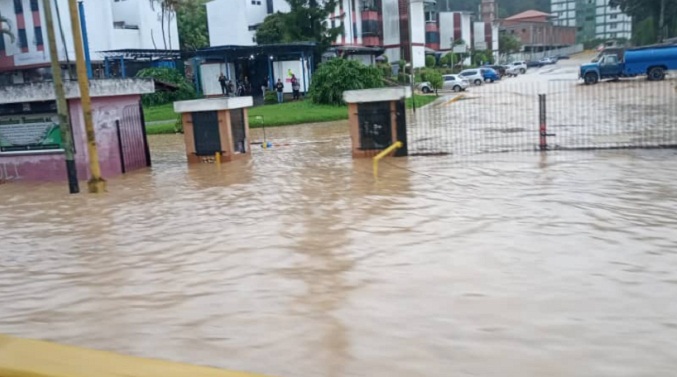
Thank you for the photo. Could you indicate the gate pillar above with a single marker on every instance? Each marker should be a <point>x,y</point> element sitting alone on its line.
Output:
<point>377,119</point>
<point>215,128</point>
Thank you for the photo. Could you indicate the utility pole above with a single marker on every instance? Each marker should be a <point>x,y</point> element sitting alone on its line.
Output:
<point>96,184</point>
<point>61,104</point>
<point>661,23</point>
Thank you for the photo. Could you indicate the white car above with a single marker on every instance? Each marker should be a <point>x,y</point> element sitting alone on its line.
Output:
<point>512,70</point>
<point>472,75</point>
<point>455,83</point>
<point>520,65</point>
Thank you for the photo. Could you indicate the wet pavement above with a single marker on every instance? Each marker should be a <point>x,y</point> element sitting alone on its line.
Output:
<point>504,116</point>
<point>297,263</point>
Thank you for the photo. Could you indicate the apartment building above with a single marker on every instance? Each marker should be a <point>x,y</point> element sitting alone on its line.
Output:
<point>593,19</point>
<point>112,25</point>
<point>234,22</point>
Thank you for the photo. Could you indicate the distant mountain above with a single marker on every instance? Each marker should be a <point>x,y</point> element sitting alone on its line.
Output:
<point>506,8</point>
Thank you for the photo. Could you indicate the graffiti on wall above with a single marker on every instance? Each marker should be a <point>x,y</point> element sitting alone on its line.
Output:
<point>9,171</point>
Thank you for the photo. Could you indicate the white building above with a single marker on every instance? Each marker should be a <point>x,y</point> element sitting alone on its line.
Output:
<point>234,22</point>
<point>593,19</point>
<point>111,25</point>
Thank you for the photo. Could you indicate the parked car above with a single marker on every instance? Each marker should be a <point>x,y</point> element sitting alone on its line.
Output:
<point>512,71</point>
<point>489,75</point>
<point>547,61</point>
<point>534,64</point>
<point>521,66</point>
<point>450,82</point>
<point>473,75</point>
<point>498,68</point>
<point>455,83</point>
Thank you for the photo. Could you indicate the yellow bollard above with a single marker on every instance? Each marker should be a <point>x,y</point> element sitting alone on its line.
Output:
<point>217,158</point>
<point>385,152</point>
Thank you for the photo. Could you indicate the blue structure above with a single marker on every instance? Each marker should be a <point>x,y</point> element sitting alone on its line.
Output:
<point>85,39</point>
<point>256,62</point>
<point>126,63</point>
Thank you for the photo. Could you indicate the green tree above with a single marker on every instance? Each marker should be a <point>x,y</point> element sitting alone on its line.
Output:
<point>435,79</point>
<point>273,29</point>
<point>430,61</point>
<point>508,44</point>
<point>183,89</point>
<point>334,77</point>
<point>663,12</point>
<point>306,21</point>
<point>6,30</point>
<point>191,18</point>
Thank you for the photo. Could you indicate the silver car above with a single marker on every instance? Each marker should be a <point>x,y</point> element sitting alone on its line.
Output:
<point>472,75</point>
<point>455,83</point>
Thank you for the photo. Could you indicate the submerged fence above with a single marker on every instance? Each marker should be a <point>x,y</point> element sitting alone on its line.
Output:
<point>548,109</point>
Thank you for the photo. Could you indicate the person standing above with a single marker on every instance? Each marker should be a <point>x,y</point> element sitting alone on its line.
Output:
<point>222,81</point>
<point>279,86</point>
<point>296,88</point>
<point>264,86</point>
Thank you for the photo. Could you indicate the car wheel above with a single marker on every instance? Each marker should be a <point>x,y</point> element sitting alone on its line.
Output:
<point>591,78</point>
<point>656,74</point>
<point>523,71</point>
<point>457,88</point>
<point>426,90</point>
<point>478,82</point>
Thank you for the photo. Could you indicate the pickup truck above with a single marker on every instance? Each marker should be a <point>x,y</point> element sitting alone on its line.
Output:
<point>652,61</point>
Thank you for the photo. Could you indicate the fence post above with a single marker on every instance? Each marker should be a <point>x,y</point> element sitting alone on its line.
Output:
<point>120,148</point>
<point>543,131</point>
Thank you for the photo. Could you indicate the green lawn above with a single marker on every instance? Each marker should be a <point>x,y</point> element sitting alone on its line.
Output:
<point>284,114</point>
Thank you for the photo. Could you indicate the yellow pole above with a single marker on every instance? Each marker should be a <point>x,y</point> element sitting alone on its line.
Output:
<point>385,152</point>
<point>96,184</point>
<point>61,103</point>
<point>217,158</point>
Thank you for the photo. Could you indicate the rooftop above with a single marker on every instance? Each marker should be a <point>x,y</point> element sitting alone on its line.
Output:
<point>529,14</point>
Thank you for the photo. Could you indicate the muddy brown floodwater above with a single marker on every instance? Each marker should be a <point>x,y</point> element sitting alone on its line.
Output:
<point>298,264</point>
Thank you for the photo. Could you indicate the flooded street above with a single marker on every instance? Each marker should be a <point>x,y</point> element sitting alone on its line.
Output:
<point>298,264</point>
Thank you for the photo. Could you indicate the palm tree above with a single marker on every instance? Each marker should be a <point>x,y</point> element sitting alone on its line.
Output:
<point>6,30</point>
<point>167,12</point>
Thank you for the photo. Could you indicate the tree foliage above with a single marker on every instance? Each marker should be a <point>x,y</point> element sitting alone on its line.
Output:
<point>334,77</point>
<point>191,17</point>
<point>6,30</point>
<point>430,61</point>
<point>184,89</point>
<point>643,10</point>
<point>435,79</point>
<point>508,44</point>
<point>305,22</point>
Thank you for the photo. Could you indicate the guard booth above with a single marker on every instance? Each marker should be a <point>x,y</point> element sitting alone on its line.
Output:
<point>377,119</point>
<point>215,128</point>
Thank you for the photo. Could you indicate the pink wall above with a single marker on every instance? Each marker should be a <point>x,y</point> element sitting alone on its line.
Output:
<point>51,166</point>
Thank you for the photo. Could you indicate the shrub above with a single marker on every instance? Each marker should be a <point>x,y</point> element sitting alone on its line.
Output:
<point>270,97</point>
<point>334,77</point>
<point>172,76</point>
<point>430,61</point>
<point>435,79</point>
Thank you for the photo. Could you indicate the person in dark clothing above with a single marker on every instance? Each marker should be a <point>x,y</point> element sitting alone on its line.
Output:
<point>296,88</point>
<point>222,81</point>
<point>279,86</point>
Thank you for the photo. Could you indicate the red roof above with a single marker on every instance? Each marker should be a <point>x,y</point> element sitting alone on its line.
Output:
<point>528,14</point>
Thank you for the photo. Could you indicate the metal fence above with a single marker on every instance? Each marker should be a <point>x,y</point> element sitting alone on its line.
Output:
<point>548,109</point>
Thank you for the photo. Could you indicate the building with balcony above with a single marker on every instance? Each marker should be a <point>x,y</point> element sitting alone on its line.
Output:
<point>113,25</point>
<point>234,22</point>
<point>593,19</point>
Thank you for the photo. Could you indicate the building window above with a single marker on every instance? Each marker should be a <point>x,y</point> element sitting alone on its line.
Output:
<point>34,6</point>
<point>23,40</point>
<point>18,7</point>
<point>612,26</point>
<point>2,43</point>
<point>38,36</point>
<point>253,27</point>
<point>613,35</point>
<point>269,5</point>
<point>613,16</point>
<point>256,2</point>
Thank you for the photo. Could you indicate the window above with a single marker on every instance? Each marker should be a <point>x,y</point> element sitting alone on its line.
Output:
<point>612,26</point>
<point>256,2</point>
<point>613,35</point>
<point>38,36</point>
<point>269,5</point>
<point>23,40</point>
<point>18,7</point>
<point>34,6</point>
<point>613,16</point>
<point>2,43</point>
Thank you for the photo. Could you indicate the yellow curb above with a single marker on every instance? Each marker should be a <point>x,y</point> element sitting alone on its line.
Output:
<point>35,358</point>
